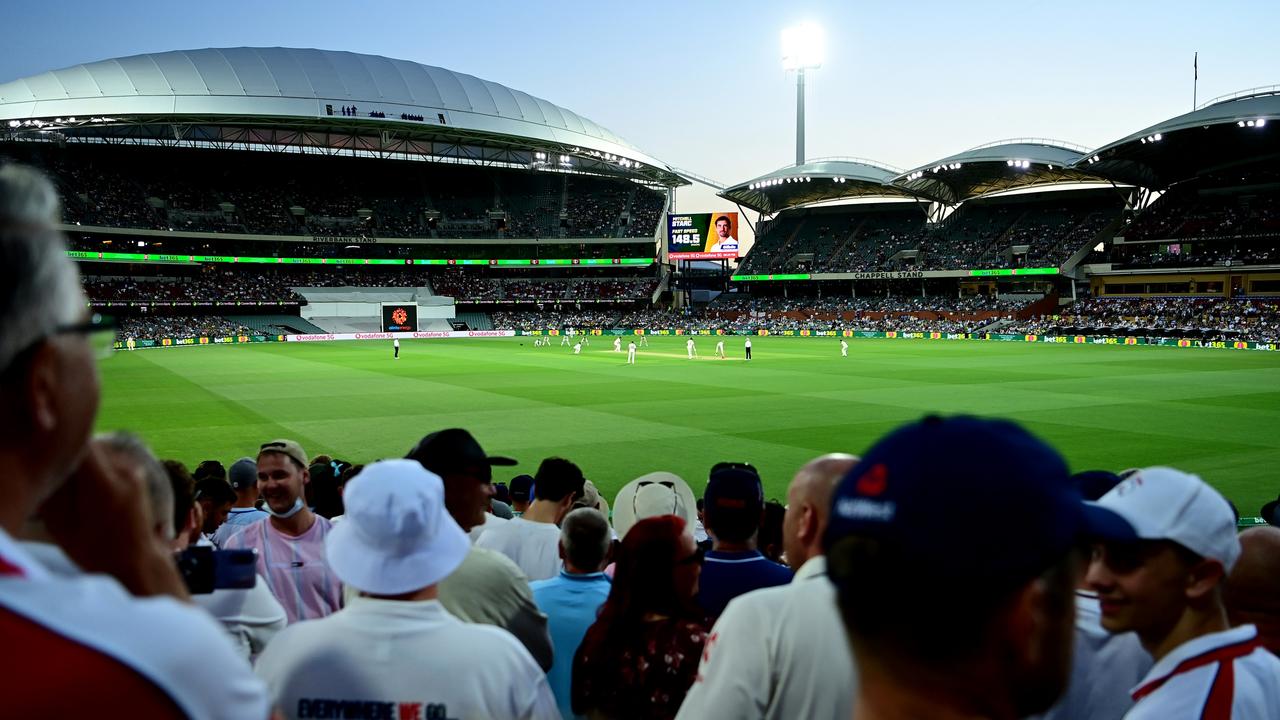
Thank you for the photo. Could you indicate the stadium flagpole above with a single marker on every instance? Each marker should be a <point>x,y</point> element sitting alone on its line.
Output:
<point>1195,84</point>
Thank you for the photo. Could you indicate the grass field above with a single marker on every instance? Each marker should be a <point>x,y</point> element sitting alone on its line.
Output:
<point>1214,412</point>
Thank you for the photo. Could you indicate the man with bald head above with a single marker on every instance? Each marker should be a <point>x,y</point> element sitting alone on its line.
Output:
<point>778,652</point>
<point>1253,587</point>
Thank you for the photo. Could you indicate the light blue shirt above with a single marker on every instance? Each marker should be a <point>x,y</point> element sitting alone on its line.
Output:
<point>571,603</point>
<point>237,520</point>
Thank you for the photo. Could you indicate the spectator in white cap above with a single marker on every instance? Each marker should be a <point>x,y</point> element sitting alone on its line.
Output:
<point>395,651</point>
<point>243,477</point>
<point>1159,571</point>
<point>773,654</point>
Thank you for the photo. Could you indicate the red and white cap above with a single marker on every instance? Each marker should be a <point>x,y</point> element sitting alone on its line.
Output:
<point>1160,503</point>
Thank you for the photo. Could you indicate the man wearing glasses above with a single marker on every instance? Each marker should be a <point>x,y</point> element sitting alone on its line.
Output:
<point>105,630</point>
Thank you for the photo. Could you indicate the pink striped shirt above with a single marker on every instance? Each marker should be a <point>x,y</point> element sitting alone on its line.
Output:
<point>294,567</point>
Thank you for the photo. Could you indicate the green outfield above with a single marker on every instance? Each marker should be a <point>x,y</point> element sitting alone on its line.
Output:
<point>1214,412</point>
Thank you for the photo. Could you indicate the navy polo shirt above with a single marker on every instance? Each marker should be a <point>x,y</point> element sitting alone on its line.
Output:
<point>726,575</point>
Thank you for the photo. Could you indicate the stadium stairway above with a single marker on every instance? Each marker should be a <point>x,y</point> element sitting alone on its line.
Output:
<point>476,320</point>
<point>276,324</point>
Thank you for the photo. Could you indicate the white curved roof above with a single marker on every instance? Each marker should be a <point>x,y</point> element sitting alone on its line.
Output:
<point>291,82</point>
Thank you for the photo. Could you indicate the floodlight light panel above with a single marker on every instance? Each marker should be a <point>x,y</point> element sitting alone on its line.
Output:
<point>803,46</point>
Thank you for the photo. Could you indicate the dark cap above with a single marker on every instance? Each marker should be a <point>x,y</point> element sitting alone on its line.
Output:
<point>963,498</point>
<point>522,488</point>
<point>733,492</point>
<point>1271,512</point>
<point>243,474</point>
<point>214,489</point>
<point>452,450</point>
<point>1093,484</point>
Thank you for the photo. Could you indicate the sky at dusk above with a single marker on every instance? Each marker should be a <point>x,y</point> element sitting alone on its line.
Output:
<point>700,85</point>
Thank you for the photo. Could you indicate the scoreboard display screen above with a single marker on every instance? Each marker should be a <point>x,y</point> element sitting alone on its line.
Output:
<point>703,236</point>
<point>399,317</point>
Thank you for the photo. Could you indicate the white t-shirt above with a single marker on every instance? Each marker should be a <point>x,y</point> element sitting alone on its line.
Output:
<point>252,617</point>
<point>533,546</point>
<point>399,659</point>
<point>490,521</point>
<point>175,646</point>
<point>777,653</point>
<point>396,342</point>
<point>748,343</point>
<point>1104,667</point>
<point>1193,680</point>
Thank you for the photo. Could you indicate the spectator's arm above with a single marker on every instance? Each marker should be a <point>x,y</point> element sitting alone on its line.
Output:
<point>733,679</point>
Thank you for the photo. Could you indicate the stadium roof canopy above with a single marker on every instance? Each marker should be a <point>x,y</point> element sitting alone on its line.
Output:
<point>1228,133</point>
<point>290,98</point>
<point>818,180</point>
<point>997,167</point>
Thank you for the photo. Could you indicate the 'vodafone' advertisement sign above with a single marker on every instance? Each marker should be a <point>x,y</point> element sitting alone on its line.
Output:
<point>402,335</point>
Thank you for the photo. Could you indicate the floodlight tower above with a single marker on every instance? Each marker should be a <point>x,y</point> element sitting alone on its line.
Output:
<point>802,48</point>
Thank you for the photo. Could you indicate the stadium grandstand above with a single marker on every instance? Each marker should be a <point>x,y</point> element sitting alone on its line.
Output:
<point>186,174</point>
<point>1184,212</point>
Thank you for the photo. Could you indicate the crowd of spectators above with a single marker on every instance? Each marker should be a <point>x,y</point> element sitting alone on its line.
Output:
<point>1256,319</point>
<point>978,235</point>
<point>1222,253</point>
<point>282,194</point>
<point>469,287</point>
<point>180,327</point>
<point>211,285</point>
<point>1190,216</point>
<point>401,588</point>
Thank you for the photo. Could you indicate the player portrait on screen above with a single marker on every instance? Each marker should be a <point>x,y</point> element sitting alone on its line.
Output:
<point>724,238</point>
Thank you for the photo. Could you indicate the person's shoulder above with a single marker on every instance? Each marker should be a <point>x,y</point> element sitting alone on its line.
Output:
<point>97,612</point>
<point>482,560</point>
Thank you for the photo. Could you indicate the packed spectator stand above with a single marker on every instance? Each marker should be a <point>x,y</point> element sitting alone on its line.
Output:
<point>286,194</point>
<point>1043,231</point>
<point>1198,318</point>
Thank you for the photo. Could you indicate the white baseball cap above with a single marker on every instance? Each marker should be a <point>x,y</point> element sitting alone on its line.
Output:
<point>1160,503</point>
<point>658,493</point>
<point>396,535</point>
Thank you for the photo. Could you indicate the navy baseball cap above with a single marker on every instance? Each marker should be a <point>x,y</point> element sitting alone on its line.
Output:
<point>733,490</point>
<point>1093,484</point>
<point>963,498</point>
<point>521,487</point>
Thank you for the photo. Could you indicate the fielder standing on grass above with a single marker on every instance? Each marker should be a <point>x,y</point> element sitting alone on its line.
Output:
<point>747,347</point>
<point>631,353</point>
<point>617,344</point>
<point>693,351</point>
<point>720,349</point>
<point>395,345</point>
<point>844,348</point>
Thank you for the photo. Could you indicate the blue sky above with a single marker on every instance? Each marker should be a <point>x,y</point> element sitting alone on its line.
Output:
<point>700,84</point>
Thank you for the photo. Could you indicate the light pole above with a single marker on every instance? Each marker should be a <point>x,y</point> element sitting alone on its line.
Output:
<point>802,48</point>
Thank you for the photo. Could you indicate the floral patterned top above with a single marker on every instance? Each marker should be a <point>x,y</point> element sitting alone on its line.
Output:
<point>647,680</point>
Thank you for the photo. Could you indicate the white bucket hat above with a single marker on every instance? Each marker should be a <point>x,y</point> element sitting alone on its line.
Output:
<point>396,535</point>
<point>658,493</point>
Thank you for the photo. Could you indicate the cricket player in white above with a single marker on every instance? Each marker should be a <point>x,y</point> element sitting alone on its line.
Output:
<point>644,341</point>
<point>693,351</point>
<point>720,349</point>
<point>577,348</point>
<point>617,344</point>
<point>631,353</point>
<point>564,339</point>
<point>844,348</point>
